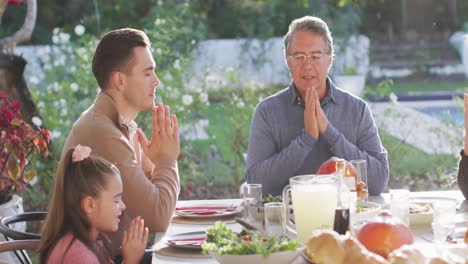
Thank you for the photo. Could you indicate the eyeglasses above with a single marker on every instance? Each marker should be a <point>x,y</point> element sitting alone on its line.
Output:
<point>302,58</point>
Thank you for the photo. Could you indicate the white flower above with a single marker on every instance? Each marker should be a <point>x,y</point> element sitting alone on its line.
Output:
<point>55,134</point>
<point>33,80</point>
<point>63,103</point>
<point>64,38</point>
<point>56,31</point>
<point>79,30</point>
<point>187,99</point>
<point>81,51</point>
<point>64,111</point>
<point>56,87</point>
<point>36,121</point>
<point>203,97</point>
<point>393,98</point>
<point>159,51</point>
<point>40,104</point>
<point>55,39</point>
<point>74,87</point>
<point>177,64</point>
<point>194,42</point>
<point>240,104</point>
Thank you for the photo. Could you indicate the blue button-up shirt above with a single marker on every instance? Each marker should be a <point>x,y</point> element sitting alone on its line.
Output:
<point>280,148</point>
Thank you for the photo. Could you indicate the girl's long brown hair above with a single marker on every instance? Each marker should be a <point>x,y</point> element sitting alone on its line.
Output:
<point>65,215</point>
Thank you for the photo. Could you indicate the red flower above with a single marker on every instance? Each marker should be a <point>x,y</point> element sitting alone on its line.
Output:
<point>16,2</point>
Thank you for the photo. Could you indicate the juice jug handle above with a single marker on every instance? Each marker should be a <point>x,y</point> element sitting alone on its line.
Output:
<point>289,225</point>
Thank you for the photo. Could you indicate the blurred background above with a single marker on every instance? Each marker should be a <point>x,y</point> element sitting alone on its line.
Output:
<point>218,58</point>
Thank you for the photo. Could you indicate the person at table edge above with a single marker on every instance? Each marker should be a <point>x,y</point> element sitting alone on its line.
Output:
<point>463,162</point>
<point>125,71</point>
<point>295,130</point>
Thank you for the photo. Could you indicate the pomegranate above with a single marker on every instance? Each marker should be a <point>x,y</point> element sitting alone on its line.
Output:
<point>384,234</point>
<point>329,167</point>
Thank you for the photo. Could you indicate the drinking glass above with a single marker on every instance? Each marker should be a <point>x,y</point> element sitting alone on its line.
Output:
<point>399,204</point>
<point>314,198</point>
<point>275,219</point>
<point>443,223</point>
<point>252,195</point>
<point>361,169</point>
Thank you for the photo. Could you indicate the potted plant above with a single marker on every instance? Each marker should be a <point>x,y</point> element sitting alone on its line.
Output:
<point>20,144</point>
<point>350,80</point>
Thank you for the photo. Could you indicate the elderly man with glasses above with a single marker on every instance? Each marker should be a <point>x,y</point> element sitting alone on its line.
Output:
<point>297,129</point>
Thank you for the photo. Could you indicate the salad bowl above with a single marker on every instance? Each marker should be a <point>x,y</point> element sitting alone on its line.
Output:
<point>275,258</point>
<point>248,247</point>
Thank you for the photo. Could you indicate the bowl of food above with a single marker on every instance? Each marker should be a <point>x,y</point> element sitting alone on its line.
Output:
<point>420,213</point>
<point>247,247</point>
<point>365,210</point>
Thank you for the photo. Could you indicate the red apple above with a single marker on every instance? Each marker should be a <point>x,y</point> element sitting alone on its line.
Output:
<point>329,167</point>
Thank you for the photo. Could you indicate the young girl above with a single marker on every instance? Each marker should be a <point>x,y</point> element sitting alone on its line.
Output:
<point>87,201</point>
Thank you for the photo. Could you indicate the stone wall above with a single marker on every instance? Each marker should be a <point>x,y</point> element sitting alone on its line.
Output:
<point>237,62</point>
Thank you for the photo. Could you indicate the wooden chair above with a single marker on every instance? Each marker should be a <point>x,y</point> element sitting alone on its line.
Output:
<point>19,247</point>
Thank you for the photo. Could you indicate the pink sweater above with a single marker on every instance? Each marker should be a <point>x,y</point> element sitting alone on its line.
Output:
<point>76,253</point>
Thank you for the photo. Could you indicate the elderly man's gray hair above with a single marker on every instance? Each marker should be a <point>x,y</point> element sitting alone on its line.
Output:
<point>312,24</point>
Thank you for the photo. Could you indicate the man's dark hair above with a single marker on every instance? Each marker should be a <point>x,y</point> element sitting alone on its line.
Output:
<point>114,52</point>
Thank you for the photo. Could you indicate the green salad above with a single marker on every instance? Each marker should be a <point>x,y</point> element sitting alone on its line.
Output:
<point>223,241</point>
<point>272,199</point>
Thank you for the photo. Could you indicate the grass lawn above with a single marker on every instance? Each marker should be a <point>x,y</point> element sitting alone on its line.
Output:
<point>429,86</point>
<point>414,169</point>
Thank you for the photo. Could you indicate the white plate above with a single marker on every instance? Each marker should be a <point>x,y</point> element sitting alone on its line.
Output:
<point>374,210</point>
<point>452,253</point>
<point>220,213</point>
<point>274,258</point>
<point>169,240</point>
<point>304,255</point>
<point>432,199</point>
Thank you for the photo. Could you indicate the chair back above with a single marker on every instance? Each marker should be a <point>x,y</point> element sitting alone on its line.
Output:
<point>10,233</point>
<point>19,247</point>
<point>17,241</point>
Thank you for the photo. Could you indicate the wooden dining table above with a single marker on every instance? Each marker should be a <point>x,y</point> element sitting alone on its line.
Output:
<point>422,235</point>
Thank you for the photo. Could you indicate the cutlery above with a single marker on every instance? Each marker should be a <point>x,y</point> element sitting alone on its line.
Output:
<point>186,243</point>
<point>189,239</point>
<point>245,224</point>
<point>202,212</point>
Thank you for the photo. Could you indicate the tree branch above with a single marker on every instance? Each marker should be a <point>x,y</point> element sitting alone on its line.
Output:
<point>3,6</point>
<point>25,32</point>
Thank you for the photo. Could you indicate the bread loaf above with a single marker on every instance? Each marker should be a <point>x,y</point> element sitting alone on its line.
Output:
<point>328,247</point>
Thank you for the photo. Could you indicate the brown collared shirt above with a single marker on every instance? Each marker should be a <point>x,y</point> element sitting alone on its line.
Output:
<point>101,128</point>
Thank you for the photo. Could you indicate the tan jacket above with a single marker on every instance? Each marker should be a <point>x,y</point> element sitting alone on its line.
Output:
<point>101,128</point>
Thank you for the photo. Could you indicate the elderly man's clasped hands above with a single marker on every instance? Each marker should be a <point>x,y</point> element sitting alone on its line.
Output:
<point>315,120</point>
